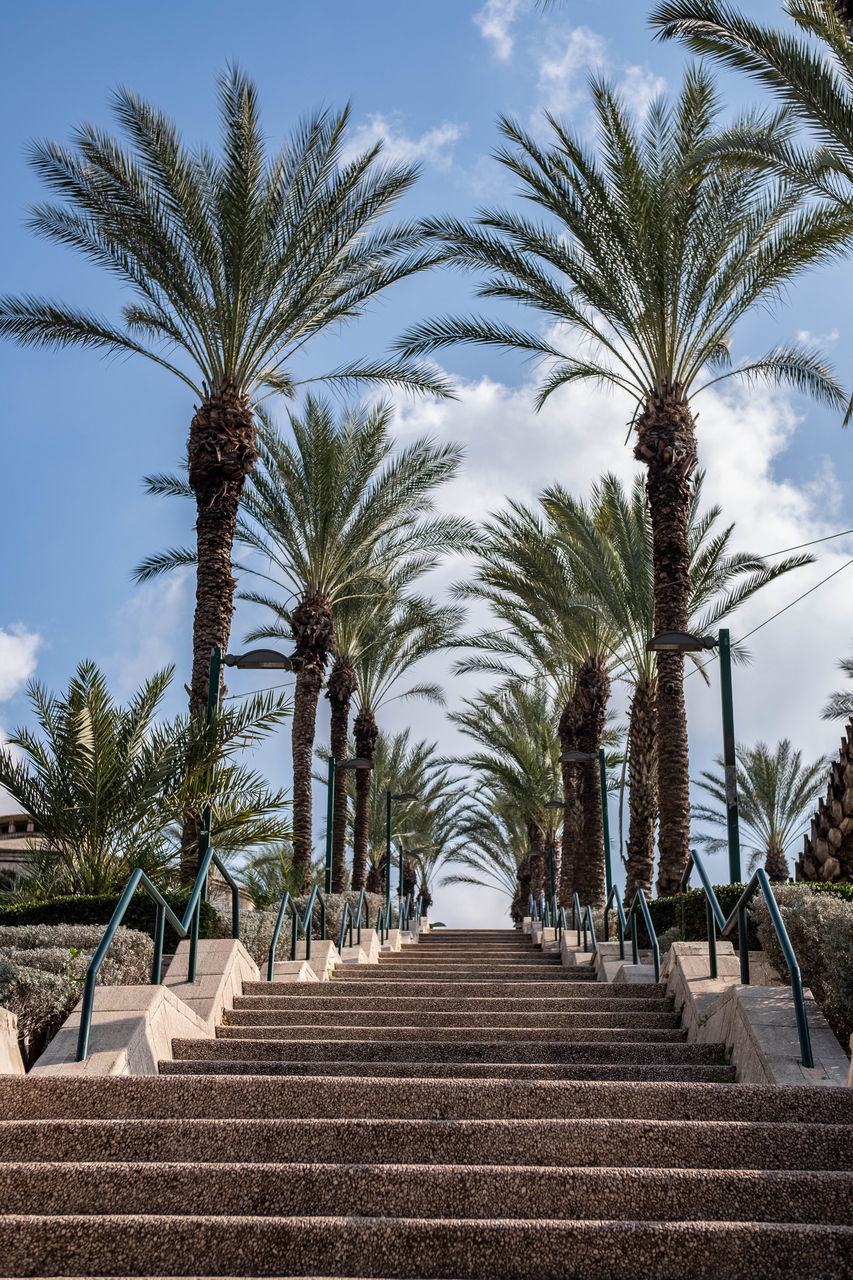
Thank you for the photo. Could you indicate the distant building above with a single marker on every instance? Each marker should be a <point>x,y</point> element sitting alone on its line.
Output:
<point>18,835</point>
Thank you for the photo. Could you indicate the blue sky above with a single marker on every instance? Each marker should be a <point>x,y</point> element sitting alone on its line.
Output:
<point>80,432</point>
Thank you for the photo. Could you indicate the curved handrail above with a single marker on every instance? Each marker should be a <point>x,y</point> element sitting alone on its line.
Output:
<point>305,923</point>
<point>186,927</point>
<point>354,920</point>
<point>738,919</point>
<point>383,922</point>
<point>582,920</point>
<point>640,902</point>
<point>621,923</point>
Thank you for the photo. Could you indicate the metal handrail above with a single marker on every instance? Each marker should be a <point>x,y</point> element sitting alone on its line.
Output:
<point>534,908</point>
<point>582,920</point>
<point>555,915</point>
<point>738,919</point>
<point>354,920</point>
<point>306,924</point>
<point>186,927</point>
<point>621,924</point>
<point>640,902</point>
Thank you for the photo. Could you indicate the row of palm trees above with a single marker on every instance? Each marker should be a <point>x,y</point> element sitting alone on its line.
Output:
<point>638,256</point>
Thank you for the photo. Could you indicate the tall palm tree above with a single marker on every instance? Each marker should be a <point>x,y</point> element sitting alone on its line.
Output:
<point>839,705</point>
<point>609,541</point>
<point>776,793</point>
<point>233,263</point>
<point>330,512</point>
<point>405,633</point>
<point>534,588</point>
<point>518,756</point>
<point>649,258</point>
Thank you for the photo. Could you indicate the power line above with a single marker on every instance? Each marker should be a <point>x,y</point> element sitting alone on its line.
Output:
<point>800,545</point>
<point>254,692</point>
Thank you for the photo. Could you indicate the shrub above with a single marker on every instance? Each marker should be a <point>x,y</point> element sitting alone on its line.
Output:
<point>820,926</point>
<point>256,927</point>
<point>666,939</point>
<point>42,968</point>
<point>98,910</point>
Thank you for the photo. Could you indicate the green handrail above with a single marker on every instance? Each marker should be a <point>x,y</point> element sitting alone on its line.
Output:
<point>354,920</point>
<point>738,920</point>
<point>643,906</point>
<point>555,915</point>
<point>306,924</point>
<point>383,921</point>
<point>582,919</point>
<point>186,927</point>
<point>534,909</point>
<point>621,925</point>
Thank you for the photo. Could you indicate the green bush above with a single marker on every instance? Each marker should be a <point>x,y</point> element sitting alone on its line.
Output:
<point>98,910</point>
<point>666,912</point>
<point>256,927</point>
<point>42,968</point>
<point>820,927</point>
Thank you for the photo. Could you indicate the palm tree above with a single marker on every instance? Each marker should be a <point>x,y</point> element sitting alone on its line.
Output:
<point>518,757</point>
<point>651,259</point>
<point>332,513</point>
<point>839,705</point>
<point>609,541</point>
<point>776,791</point>
<point>492,848</point>
<point>107,785</point>
<point>405,633</point>
<point>233,263</point>
<point>535,589</point>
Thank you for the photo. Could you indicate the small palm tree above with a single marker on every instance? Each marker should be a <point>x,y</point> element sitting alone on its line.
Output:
<point>107,785</point>
<point>518,756</point>
<point>649,258</point>
<point>331,513</point>
<point>405,634</point>
<point>839,705</point>
<point>776,793</point>
<point>492,849</point>
<point>233,263</point>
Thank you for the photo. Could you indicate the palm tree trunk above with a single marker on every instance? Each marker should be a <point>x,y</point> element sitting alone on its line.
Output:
<point>592,689</point>
<point>342,685</point>
<point>776,864</point>
<point>667,444</point>
<point>313,634</point>
<point>537,860</point>
<point>366,732</point>
<point>220,453</point>
<point>571,814</point>
<point>642,789</point>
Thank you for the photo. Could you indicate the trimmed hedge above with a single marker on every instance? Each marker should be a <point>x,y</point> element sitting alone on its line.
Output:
<point>140,915</point>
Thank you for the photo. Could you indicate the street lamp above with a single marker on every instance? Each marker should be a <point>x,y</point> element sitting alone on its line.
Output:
<point>684,642</point>
<point>577,757</point>
<point>257,659</point>
<point>357,762</point>
<point>389,796</point>
<point>553,804</point>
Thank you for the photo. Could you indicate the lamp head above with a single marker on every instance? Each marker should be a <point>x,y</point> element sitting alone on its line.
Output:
<point>356,762</point>
<point>679,642</point>
<point>259,660</point>
<point>577,757</point>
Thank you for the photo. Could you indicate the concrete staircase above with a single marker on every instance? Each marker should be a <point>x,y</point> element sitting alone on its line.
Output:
<point>466,1109</point>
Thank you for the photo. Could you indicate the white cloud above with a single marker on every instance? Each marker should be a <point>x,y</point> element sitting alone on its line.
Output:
<point>563,74</point>
<point>434,147</point>
<point>148,629</point>
<point>18,649</point>
<point>817,339</point>
<point>639,87</point>
<point>495,20</point>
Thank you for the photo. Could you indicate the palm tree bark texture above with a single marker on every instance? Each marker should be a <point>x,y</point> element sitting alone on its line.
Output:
<point>313,635</point>
<point>642,783</point>
<point>567,729</point>
<point>666,443</point>
<point>592,689</point>
<point>537,859</point>
<point>365,731</point>
<point>341,687</point>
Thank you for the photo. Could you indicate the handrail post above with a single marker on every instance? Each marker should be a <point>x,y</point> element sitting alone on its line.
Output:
<point>743,945</point>
<point>712,938</point>
<point>635,950</point>
<point>159,934</point>
<point>729,756</point>
<point>194,931</point>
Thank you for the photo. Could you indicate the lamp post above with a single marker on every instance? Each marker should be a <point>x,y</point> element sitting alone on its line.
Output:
<point>389,796</point>
<point>357,762</point>
<point>255,660</point>
<point>409,853</point>
<point>578,757</point>
<point>685,642</point>
<point>553,804</point>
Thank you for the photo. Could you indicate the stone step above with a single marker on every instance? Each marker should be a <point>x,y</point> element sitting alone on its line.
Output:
<point>446,973</point>
<point>360,1032</point>
<point>426,1191</point>
<point>477,1249</point>
<point>382,1006</point>
<point>262,1015</point>
<point>422,1050</point>
<point>609,1143</point>
<point>491,1071</point>
<point>566,984</point>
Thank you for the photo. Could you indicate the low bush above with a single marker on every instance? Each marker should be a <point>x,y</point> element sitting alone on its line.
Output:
<point>820,926</point>
<point>98,910</point>
<point>256,927</point>
<point>42,968</point>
